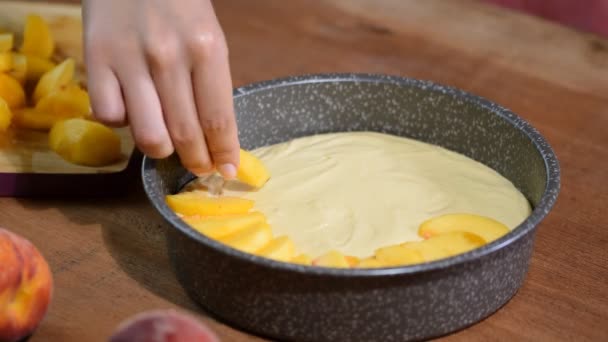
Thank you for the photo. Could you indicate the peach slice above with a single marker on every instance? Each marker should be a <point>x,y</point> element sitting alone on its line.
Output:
<point>6,61</point>
<point>5,115</point>
<point>11,91</point>
<point>37,66</point>
<point>6,42</point>
<point>251,170</point>
<point>332,259</point>
<point>484,227</point>
<point>26,287</point>
<point>30,118</point>
<point>85,142</point>
<point>199,203</point>
<point>281,248</point>
<point>445,245</point>
<point>371,262</point>
<point>38,120</point>
<point>19,69</point>
<point>217,227</point>
<point>37,37</point>
<point>67,102</point>
<point>302,259</point>
<point>352,260</point>
<point>250,239</point>
<point>56,78</point>
<point>398,255</point>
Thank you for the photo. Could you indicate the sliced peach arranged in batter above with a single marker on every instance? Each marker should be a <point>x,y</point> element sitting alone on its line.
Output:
<point>6,61</point>
<point>11,91</point>
<point>302,259</point>
<point>54,79</point>
<point>371,262</point>
<point>217,227</point>
<point>281,248</point>
<point>398,255</point>
<point>228,220</point>
<point>85,142</point>
<point>352,260</point>
<point>486,228</point>
<point>37,37</point>
<point>249,239</point>
<point>37,67</point>
<point>19,69</point>
<point>6,115</point>
<point>445,245</point>
<point>332,258</point>
<point>67,102</point>
<point>200,203</point>
<point>6,42</point>
<point>251,170</point>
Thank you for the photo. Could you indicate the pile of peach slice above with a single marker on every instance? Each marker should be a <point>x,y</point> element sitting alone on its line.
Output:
<point>36,93</point>
<point>232,221</point>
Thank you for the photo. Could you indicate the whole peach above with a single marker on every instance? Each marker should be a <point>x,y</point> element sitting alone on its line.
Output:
<point>26,287</point>
<point>163,326</point>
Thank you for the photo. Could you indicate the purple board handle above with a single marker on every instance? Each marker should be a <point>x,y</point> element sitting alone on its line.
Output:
<point>70,185</point>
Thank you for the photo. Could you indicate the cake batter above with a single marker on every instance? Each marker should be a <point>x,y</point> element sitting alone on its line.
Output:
<point>359,191</point>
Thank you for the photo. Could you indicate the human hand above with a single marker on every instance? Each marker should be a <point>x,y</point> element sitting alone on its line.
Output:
<point>162,67</point>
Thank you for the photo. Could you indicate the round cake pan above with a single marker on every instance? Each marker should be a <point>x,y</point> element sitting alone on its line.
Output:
<point>303,303</point>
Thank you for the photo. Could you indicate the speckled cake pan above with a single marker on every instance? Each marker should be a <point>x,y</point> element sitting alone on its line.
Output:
<point>300,303</point>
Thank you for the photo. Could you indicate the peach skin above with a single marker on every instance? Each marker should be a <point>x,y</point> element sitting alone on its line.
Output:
<point>26,287</point>
<point>163,326</point>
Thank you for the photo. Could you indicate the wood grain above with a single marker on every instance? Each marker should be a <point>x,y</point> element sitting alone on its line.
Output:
<point>26,151</point>
<point>107,255</point>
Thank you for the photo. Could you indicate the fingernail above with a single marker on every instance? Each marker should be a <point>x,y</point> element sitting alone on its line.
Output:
<point>227,170</point>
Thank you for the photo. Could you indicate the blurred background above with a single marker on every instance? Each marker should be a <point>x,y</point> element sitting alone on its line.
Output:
<point>585,15</point>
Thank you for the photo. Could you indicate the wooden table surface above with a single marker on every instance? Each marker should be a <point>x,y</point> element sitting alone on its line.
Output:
<point>107,255</point>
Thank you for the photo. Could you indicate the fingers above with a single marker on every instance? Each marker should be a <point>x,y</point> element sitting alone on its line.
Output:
<point>213,95</point>
<point>144,108</point>
<point>174,86</point>
<point>102,84</point>
<point>168,71</point>
<point>106,96</point>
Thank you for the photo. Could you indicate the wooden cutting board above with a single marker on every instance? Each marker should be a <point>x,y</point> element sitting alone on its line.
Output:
<point>25,157</point>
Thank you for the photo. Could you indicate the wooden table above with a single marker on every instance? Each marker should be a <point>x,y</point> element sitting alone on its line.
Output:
<point>107,255</point>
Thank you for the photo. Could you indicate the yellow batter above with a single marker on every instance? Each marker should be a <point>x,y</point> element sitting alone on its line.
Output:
<point>356,192</point>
